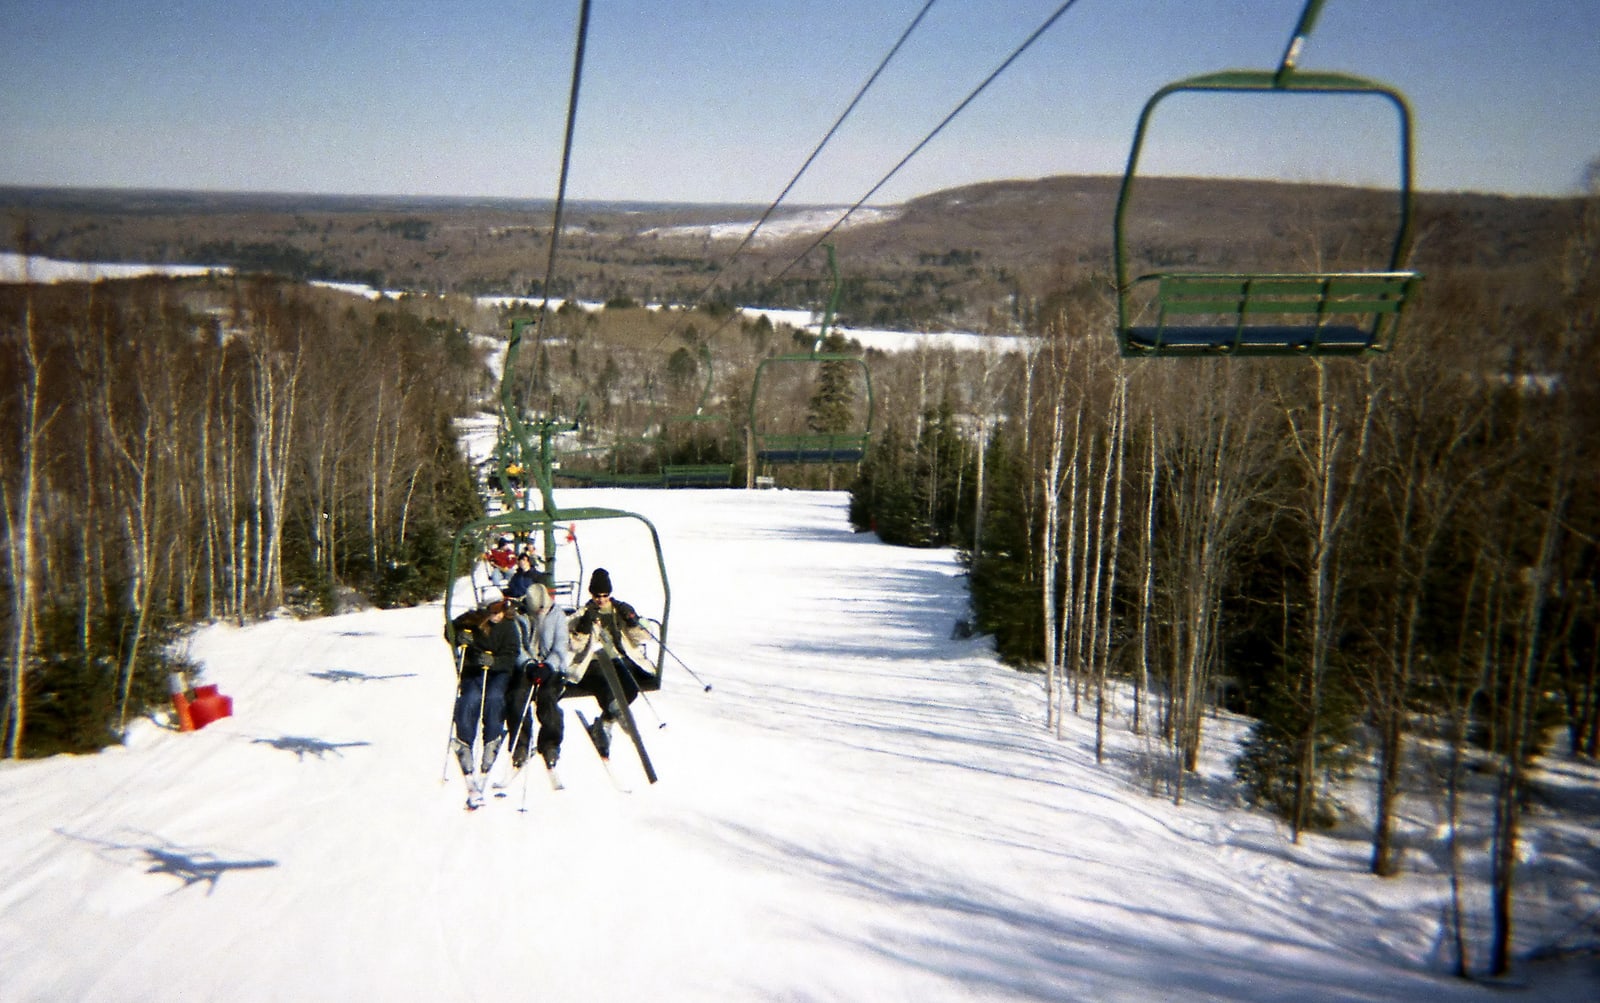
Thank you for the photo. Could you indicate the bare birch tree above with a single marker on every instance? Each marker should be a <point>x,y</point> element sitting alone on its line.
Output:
<point>31,418</point>
<point>1331,448</point>
<point>1422,475</point>
<point>1215,451</point>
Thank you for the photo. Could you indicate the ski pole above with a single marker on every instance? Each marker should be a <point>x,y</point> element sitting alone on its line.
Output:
<point>522,809</point>
<point>692,674</point>
<point>648,703</point>
<point>522,717</point>
<point>444,775</point>
<point>620,663</point>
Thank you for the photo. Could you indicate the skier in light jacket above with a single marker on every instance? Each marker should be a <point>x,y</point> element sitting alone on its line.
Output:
<point>608,629</point>
<point>541,682</point>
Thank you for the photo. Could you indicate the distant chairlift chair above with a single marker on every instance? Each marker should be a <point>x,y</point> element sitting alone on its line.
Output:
<point>699,475</point>
<point>774,446</point>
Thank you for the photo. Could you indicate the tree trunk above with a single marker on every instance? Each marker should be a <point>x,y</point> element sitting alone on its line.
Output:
<point>21,514</point>
<point>1147,585</point>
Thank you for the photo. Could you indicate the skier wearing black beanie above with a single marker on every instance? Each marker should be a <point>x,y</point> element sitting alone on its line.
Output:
<point>608,628</point>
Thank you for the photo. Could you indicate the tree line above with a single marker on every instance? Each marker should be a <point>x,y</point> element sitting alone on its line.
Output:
<point>1393,558</point>
<point>1389,557</point>
<point>181,451</point>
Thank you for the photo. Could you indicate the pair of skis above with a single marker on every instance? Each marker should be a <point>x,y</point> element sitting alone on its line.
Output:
<point>502,788</point>
<point>609,670</point>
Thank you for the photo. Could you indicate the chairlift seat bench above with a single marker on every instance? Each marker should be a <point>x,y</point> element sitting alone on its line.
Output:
<point>697,475</point>
<point>1324,313</point>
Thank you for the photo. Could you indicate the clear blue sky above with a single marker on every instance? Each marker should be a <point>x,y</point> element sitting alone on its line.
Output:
<point>722,100</point>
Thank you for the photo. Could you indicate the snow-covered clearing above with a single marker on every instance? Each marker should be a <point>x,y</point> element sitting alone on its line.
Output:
<point>860,809</point>
<point>784,226</point>
<point>16,267</point>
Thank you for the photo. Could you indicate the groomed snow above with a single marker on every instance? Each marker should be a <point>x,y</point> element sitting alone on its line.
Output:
<point>860,809</point>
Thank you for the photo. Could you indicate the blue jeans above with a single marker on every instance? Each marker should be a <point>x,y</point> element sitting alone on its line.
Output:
<point>483,695</point>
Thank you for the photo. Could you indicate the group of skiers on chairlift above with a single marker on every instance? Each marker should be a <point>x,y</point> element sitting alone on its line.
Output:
<point>518,656</point>
<point>503,563</point>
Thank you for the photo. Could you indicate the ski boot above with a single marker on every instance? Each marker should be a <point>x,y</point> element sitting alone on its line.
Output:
<point>463,753</point>
<point>600,735</point>
<point>475,782</point>
<point>491,751</point>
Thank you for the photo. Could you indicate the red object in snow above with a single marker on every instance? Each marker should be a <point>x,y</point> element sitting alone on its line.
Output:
<point>208,705</point>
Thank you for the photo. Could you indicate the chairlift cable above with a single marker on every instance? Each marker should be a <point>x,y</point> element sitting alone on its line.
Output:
<point>510,412</point>
<point>815,152</point>
<point>1015,55</point>
<point>566,163</point>
<point>962,106</point>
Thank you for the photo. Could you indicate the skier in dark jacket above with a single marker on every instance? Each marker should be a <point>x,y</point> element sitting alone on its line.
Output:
<point>517,586</point>
<point>608,629</point>
<point>492,650</point>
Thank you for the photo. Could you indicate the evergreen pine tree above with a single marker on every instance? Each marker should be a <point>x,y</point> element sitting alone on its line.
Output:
<point>1005,578</point>
<point>831,409</point>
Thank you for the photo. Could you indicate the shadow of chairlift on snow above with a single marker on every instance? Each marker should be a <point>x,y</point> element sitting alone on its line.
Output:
<point>347,676</point>
<point>194,867</point>
<point>302,746</point>
<point>190,866</point>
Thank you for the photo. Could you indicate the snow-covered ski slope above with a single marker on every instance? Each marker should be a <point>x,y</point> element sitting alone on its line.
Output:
<point>861,809</point>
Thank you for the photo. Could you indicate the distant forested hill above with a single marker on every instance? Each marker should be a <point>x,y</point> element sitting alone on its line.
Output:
<point>954,258</point>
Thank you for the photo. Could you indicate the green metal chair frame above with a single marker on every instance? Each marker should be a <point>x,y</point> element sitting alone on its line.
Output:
<point>545,523</point>
<point>529,445</point>
<point>646,463</point>
<point>699,475</point>
<point>1275,313</point>
<point>813,447</point>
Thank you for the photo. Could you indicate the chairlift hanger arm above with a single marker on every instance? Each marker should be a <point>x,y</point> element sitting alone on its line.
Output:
<point>1297,41</point>
<point>1266,82</point>
<point>1269,82</point>
<point>705,391</point>
<point>833,302</point>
